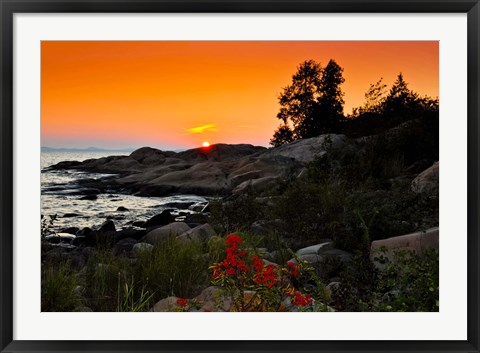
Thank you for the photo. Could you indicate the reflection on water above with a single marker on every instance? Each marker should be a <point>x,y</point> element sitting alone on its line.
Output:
<point>59,188</point>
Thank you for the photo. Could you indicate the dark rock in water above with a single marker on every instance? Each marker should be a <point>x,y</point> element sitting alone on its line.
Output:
<point>196,218</point>
<point>182,213</point>
<point>65,165</point>
<point>161,219</point>
<point>197,207</point>
<point>122,209</point>
<point>79,241</point>
<point>70,230</point>
<point>70,215</point>
<point>206,208</point>
<point>133,232</point>
<point>89,197</point>
<point>124,246</point>
<point>85,232</point>
<point>140,224</point>
<point>107,226</point>
<point>86,191</point>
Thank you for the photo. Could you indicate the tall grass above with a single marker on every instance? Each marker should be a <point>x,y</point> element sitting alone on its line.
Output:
<point>173,268</point>
<point>59,283</point>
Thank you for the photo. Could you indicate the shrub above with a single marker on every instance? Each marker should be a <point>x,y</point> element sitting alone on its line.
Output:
<point>268,286</point>
<point>311,211</point>
<point>410,282</point>
<point>235,213</point>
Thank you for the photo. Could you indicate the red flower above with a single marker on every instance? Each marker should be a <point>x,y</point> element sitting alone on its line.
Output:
<point>182,302</point>
<point>242,253</point>
<point>294,269</point>
<point>231,271</point>
<point>257,263</point>
<point>301,300</point>
<point>233,240</point>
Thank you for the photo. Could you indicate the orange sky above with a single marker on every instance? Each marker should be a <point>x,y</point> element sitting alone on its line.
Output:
<point>174,95</point>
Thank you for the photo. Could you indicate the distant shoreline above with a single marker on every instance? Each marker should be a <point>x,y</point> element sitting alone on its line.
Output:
<point>89,149</point>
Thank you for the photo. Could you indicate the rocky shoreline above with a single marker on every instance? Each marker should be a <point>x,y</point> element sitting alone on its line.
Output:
<point>215,171</point>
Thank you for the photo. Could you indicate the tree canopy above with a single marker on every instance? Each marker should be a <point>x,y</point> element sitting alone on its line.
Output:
<point>312,104</point>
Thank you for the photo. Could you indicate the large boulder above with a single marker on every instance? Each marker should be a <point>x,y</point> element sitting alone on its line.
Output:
<point>256,185</point>
<point>213,299</point>
<point>315,249</point>
<point>142,248</point>
<point>427,181</point>
<point>414,242</point>
<point>200,234</point>
<point>240,178</point>
<point>124,246</point>
<point>161,219</point>
<point>306,150</point>
<point>164,233</point>
<point>167,304</point>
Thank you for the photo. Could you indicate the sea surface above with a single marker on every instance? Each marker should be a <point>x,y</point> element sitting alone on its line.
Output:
<point>61,196</point>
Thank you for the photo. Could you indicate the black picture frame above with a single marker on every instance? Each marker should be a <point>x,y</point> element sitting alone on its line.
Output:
<point>11,7</point>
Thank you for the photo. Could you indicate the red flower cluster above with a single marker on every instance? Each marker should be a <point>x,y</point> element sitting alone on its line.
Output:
<point>233,261</point>
<point>264,275</point>
<point>302,300</point>
<point>297,297</point>
<point>182,302</point>
<point>239,271</point>
<point>293,269</point>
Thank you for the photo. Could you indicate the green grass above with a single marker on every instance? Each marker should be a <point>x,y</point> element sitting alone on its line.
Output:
<point>59,283</point>
<point>173,269</point>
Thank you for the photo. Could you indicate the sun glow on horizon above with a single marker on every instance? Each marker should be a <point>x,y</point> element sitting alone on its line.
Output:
<point>206,144</point>
<point>177,94</point>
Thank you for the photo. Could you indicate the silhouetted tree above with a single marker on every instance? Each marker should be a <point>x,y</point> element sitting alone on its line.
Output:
<point>312,104</point>
<point>400,99</point>
<point>298,100</point>
<point>330,102</point>
<point>282,136</point>
<point>374,98</point>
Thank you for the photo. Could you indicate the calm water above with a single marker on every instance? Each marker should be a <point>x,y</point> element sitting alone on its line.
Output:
<point>59,189</point>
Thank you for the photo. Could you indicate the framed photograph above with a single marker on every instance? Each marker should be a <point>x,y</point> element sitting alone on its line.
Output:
<point>239,176</point>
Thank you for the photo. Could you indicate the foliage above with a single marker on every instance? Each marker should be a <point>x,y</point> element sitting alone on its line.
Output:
<point>46,225</point>
<point>269,286</point>
<point>173,268</point>
<point>59,283</point>
<point>408,282</point>
<point>383,110</point>
<point>374,98</point>
<point>329,110</point>
<point>131,301</point>
<point>235,213</point>
<point>104,280</point>
<point>282,136</point>
<point>312,104</point>
<point>313,211</point>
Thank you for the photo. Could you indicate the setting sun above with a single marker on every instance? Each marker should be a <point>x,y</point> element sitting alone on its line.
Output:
<point>206,144</point>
